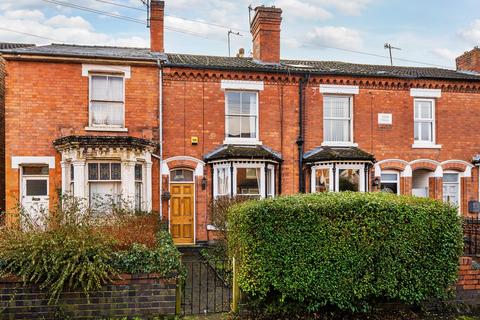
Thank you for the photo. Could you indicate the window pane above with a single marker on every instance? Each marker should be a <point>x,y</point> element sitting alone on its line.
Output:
<point>179,175</point>
<point>99,88</point>
<point>116,171</point>
<point>322,180</point>
<point>249,103</point>
<point>104,171</point>
<point>115,89</point>
<point>138,172</point>
<point>268,177</point>
<point>389,177</point>
<point>223,181</point>
<point>107,113</point>
<point>35,171</point>
<point>337,130</point>
<point>138,196</point>
<point>349,180</point>
<point>72,172</point>
<point>248,127</point>
<point>233,100</point>
<point>93,171</point>
<point>426,129</point>
<point>337,107</point>
<point>248,181</point>
<point>389,187</point>
<point>36,187</point>
<point>233,126</point>
<point>450,177</point>
<point>416,132</point>
<point>104,193</point>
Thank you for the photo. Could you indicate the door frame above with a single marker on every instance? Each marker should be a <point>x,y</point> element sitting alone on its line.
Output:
<point>170,182</point>
<point>34,177</point>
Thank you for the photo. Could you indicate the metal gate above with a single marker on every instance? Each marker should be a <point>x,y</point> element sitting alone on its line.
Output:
<point>207,288</point>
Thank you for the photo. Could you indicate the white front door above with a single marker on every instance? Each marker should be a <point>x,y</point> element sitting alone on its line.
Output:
<point>35,199</point>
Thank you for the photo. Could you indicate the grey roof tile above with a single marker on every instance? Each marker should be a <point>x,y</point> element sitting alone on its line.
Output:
<point>11,45</point>
<point>337,154</point>
<point>90,52</point>
<point>246,64</point>
<point>226,152</point>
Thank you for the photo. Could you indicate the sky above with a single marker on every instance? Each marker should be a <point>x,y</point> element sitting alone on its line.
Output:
<point>432,32</point>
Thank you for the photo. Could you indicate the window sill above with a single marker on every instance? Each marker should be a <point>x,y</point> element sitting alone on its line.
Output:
<point>242,141</point>
<point>339,144</point>
<point>106,129</point>
<point>426,146</point>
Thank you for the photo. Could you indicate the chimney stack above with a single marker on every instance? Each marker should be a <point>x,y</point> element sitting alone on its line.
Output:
<point>469,61</point>
<point>157,8</point>
<point>265,29</point>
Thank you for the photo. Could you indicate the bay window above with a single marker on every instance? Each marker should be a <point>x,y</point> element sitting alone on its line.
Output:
<point>338,177</point>
<point>107,101</point>
<point>105,183</point>
<point>254,180</point>
<point>138,186</point>
<point>337,119</point>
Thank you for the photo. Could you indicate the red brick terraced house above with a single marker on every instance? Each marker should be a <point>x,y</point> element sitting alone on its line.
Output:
<point>172,132</point>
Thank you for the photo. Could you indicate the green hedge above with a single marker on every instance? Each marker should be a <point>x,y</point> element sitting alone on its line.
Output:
<point>344,250</point>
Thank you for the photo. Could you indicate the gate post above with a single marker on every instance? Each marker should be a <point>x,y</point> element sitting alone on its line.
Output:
<point>178,297</point>
<point>235,287</point>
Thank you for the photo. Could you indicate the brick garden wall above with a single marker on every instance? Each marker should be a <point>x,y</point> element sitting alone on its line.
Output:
<point>143,295</point>
<point>468,285</point>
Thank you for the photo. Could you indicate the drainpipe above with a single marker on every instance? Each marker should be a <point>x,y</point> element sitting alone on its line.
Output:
<point>300,139</point>
<point>160,133</point>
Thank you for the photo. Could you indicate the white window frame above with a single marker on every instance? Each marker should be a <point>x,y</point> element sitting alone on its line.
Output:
<point>215,180</point>
<point>232,140</point>
<point>397,181</point>
<point>339,143</point>
<point>425,143</point>
<point>96,127</point>
<point>233,179</point>
<point>338,167</point>
<point>459,182</point>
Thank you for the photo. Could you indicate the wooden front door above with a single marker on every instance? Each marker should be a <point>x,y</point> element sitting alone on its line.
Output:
<point>182,213</point>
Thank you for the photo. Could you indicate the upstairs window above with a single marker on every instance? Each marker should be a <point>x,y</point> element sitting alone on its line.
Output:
<point>241,116</point>
<point>424,121</point>
<point>107,101</point>
<point>337,119</point>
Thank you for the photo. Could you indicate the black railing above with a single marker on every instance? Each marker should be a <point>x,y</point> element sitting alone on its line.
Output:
<point>207,288</point>
<point>471,236</point>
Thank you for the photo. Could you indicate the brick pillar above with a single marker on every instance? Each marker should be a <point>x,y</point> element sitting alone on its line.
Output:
<point>406,186</point>
<point>265,29</point>
<point>156,25</point>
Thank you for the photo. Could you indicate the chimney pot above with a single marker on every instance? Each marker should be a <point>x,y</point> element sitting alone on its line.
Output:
<point>265,29</point>
<point>241,53</point>
<point>157,8</point>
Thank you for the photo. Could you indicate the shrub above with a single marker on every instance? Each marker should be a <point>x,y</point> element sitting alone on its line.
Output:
<point>344,250</point>
<point>163,258</point>
<point>75,247</point>
<point>55,259</point>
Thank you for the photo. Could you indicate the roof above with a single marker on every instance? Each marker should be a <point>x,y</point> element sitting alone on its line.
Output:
<point>11,45</point>
<point>102,141</point>
<point>318,67</point>
<point>337,154</point>
<point>245,64</point>
<point>226,152</point>
<point>67,50</point>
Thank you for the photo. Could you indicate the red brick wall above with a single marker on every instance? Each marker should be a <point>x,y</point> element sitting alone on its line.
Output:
<point>2,133</point>
<point>45,100</point>
<point>469,61</point>
<point>468,284</point>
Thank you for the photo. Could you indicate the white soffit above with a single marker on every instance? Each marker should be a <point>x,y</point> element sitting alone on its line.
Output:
<point>92,68</point>
<point>425,93</point>
<point>17,161</point>
<point>338,89</point>
<point>241,85</point>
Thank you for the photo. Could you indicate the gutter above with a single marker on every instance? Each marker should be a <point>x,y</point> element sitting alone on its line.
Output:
<point>300,139</point>
<point>160,134</point>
